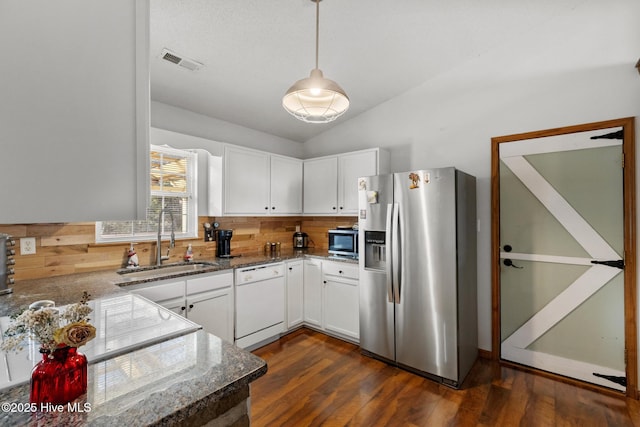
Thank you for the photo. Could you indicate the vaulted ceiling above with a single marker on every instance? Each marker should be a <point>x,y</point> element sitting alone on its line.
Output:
<point>254,50</point>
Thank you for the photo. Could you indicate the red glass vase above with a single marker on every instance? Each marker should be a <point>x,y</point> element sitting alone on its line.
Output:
<point>59,377</point>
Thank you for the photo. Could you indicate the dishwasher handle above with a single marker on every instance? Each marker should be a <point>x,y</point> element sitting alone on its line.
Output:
<point>259,273</point>
<point>244,270</point>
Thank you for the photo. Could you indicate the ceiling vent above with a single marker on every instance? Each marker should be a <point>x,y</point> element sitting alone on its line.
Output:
<point>174,58</point>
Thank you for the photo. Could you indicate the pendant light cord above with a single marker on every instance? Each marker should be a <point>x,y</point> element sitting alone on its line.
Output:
<point>317,29</point>
<point>302,100</point>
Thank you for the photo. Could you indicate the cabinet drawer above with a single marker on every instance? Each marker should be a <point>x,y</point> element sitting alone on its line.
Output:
<point>209,282</point>
<point>161,291</point>
<point>340,269</point>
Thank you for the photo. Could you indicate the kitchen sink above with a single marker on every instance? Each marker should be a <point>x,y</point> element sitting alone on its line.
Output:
<point>161,271</point>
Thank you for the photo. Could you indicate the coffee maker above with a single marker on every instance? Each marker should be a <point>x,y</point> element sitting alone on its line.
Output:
<point>300,240</point>
<point>223,243</point>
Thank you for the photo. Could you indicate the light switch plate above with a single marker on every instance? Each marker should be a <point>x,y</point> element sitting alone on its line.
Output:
<point>27,246</point>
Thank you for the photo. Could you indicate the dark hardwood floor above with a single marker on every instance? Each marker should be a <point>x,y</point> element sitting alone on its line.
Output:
<point>318,380</point>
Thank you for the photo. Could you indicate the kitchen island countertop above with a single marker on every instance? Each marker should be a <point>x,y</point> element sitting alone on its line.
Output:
<point>187,380</point>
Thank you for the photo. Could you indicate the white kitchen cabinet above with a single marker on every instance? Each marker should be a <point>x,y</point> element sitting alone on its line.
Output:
<point>331,183</point>
<point>259,183</point>
<point>161,290</point>
<point>352,166</point>
<point>209,183</point>
<point>321,186</point>
<point>312,297</point>
<point>286,185</point>
<point>74,113</point>
<point>246,181</point>
<point>331,297</point>
<point>295,293</point>
<point>340,299</point>
<point>206,299</point>
<point>214,311</point>
<point>177,305</point>
<point>209,302</point>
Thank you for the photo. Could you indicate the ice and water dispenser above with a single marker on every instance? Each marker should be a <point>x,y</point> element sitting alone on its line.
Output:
<point>375,253</point>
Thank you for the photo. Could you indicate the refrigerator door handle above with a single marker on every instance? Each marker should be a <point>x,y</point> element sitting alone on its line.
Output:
<point>389,253</point>
<point>395,252</point>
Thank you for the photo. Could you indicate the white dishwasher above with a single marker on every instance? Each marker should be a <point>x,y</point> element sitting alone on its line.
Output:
<point>260,301</point>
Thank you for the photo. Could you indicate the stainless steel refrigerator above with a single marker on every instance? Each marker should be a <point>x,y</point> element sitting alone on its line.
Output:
<point>418,271</point>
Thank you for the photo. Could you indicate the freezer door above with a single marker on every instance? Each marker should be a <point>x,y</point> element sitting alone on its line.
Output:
<point>376,311</point>
<point>426,335</point>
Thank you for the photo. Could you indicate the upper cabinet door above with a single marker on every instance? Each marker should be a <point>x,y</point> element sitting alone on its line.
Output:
<point>74,113</point>
<point>321,186</point>
<point>351,167</point>
<point>246,181</point>
<point>286,185</point>
<point>331,183</point>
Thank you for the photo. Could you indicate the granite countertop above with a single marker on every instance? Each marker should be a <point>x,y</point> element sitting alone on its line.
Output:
<point>164,383</point>
<point>68,289</point>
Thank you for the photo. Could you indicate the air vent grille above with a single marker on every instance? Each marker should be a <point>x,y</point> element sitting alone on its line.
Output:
<point>174,58</point>
<point>171,58</point>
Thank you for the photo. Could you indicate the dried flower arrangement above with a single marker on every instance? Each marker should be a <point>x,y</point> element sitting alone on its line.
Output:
<point>51,328</point>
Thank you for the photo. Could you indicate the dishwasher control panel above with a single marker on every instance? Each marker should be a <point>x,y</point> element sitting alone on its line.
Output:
<point>259,273</point>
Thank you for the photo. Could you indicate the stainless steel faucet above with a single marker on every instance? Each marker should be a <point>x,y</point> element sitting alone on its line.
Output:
<point>172,242</point>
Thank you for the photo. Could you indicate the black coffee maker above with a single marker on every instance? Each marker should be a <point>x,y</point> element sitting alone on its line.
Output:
<point>223,243</point>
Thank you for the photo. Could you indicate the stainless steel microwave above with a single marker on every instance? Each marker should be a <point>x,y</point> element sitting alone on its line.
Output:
<point>343,242</point>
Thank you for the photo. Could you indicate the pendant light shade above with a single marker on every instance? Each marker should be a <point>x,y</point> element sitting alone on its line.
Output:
<point>316,99</point>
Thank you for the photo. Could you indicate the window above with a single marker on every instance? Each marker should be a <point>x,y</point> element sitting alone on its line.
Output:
<point>173,194</point>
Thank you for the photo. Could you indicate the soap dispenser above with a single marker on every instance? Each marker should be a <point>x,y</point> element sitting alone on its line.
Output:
<point>132,261</point>
<point>188,255</point>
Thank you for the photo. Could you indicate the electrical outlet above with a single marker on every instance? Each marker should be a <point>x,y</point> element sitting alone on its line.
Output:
<point>27,246</point>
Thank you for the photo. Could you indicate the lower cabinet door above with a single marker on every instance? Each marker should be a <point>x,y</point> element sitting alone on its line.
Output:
<point>341,307</point>
<point>312,294</point>
<point>177,305</point>
<point>295,294</point>
<point>214,311</point>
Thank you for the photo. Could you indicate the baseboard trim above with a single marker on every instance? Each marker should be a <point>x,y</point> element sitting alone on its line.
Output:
<point>485,354</point>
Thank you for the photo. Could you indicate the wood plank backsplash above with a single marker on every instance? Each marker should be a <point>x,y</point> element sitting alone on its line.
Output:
<point>69,248</point>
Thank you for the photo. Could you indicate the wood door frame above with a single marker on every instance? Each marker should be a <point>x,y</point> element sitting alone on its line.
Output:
<point>629,208</point>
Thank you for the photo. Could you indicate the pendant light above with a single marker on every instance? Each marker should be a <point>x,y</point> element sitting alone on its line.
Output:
<point>316,99</point>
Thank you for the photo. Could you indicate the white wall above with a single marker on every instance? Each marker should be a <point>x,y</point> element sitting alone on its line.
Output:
<point>450,122</point>
<point>176,119</point>
<point>74,146</point>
